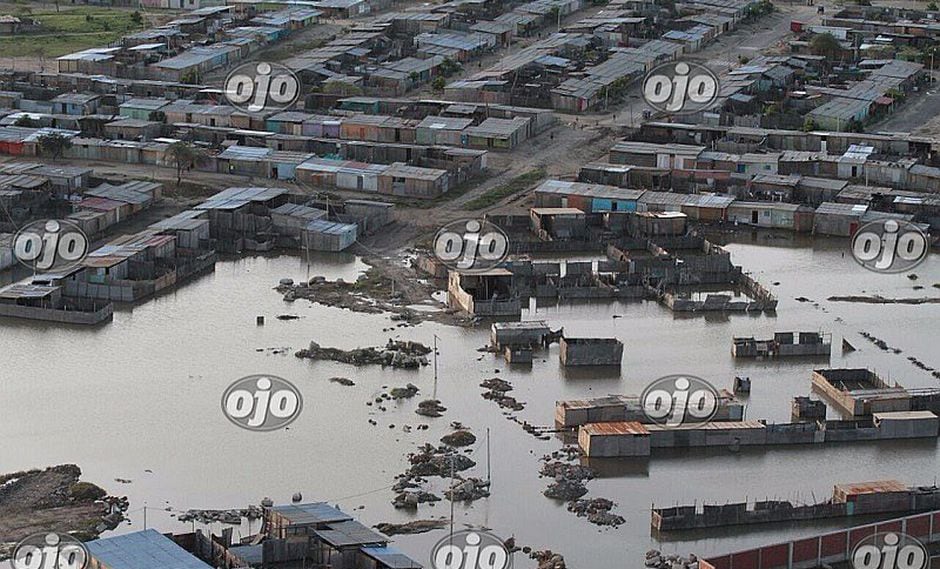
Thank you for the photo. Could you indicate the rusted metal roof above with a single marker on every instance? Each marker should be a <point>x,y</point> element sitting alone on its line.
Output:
<point>616,428</point>
<point>876,487</point>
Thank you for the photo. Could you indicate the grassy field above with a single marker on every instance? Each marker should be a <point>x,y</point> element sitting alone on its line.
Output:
<point>517,184</point>
<point>70,30</point>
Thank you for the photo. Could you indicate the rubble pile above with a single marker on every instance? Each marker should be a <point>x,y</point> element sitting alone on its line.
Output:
<point>410,528</point>
<point>440,461</point>
<point>406,392</point>
<point>459,438</point>
<point>468,490</point>
<point>410,499</point>
<point>657,560</point>
<point>396,353</point>
<point>597,511</point>
<point>497,390</point>
<point>430,408</point>
<point>547,559</point>
<point>565,490</point>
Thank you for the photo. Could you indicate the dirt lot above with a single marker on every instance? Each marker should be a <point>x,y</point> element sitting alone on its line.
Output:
<point>53,500</point>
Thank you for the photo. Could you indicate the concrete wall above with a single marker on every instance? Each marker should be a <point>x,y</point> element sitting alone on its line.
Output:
<point>591,352</point>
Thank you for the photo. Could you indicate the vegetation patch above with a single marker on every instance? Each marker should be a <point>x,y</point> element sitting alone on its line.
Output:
<point>517,184</point>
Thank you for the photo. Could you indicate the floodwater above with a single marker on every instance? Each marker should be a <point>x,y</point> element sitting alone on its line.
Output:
<point>139,399</point>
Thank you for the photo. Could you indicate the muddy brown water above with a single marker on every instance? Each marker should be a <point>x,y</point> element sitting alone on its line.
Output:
<point>143,393</point>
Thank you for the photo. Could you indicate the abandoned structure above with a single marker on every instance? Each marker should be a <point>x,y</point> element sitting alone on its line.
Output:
<point>783,344</point>
<point>590,352</point>
<point>859,499</point>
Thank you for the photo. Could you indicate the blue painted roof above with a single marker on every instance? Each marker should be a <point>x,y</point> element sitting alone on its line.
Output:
<point>148,549</point>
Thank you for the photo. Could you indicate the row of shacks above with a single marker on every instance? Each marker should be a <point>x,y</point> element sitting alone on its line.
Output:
<point>311,535</point>
<point>843,217</point>
<point>30,190</point>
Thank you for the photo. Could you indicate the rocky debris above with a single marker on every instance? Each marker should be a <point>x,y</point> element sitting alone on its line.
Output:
<point>437,461</point>
<point>565,490</point>
<point>410,500</point>
<point>878,299</point>
<point>597,511</point>
<point>497,390</point>
<point>468,490</point>
<point>430,408</point>
<point>561,471</point>
<point>343,381</point>
<point>406,392</point>
<point>287,317</point>
<point>879,342</point>
<point>230,517</point>
<point>547,559</point>
<point>410,528</point>
<point>396,353</point>
<point>658,560</point>
<point>460,438</point>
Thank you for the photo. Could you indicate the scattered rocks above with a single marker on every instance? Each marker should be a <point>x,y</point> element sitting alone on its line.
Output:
<point>658,560</point>
<point>459,438</point>
<point>410,528</point>
<point>497,390</point>
<point>880,343</point>
<point>396,353</point>
<point>343,381</point>
<point>287,317</point>
<point>230,517</point>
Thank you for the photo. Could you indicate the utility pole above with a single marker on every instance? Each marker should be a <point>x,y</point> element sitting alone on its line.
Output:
<point>145,517</point>
<point>435,367</point>
<point>488,476</point>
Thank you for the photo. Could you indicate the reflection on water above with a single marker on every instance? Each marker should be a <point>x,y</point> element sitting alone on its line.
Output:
<point>143,394</point>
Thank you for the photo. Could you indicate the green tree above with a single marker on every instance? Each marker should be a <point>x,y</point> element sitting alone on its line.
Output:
<point>156,116</point>
<point>54,144</point>
<point>809,125</point>
<point>826,45</point>
<point>137,19</point>
<point>183,155</point>
<point>438,84</point>
<point>932,6</point>
<point>24,120</point>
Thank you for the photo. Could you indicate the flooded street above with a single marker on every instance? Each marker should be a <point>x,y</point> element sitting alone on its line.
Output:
<point>139,399</point>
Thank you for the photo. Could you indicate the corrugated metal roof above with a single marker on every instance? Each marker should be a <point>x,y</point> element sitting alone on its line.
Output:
<point>350,533</point>
<point>588,190</point>
<point>148,549</point>
<point>390,558</point>
<point>311,513</point>
<point>330,227</point>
